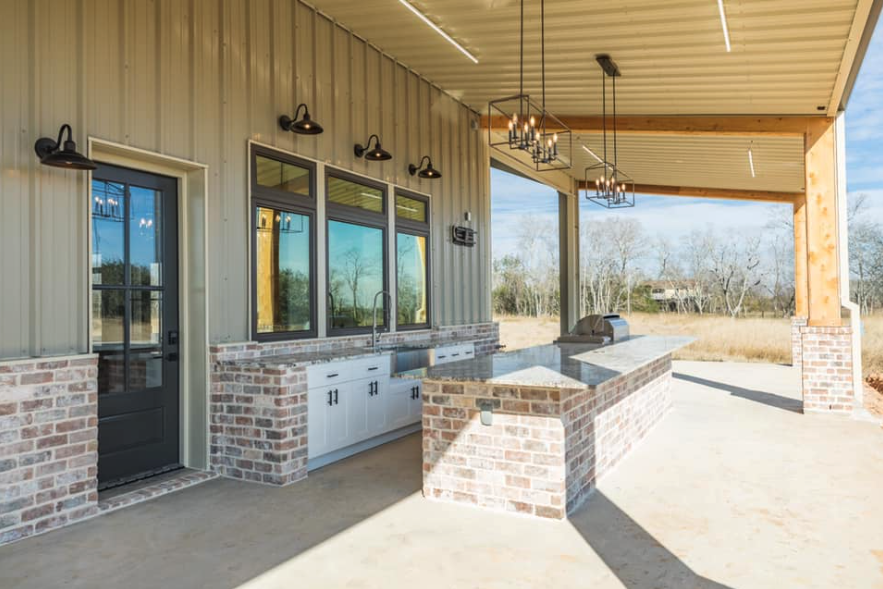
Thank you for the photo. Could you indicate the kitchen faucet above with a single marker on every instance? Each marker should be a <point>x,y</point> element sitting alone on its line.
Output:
<point>375,338</point>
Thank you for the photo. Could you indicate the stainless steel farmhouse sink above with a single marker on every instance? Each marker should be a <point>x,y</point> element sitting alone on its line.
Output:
<point>406,357</point>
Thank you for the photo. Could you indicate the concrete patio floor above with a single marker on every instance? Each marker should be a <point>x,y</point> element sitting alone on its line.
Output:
<point>734,489</point>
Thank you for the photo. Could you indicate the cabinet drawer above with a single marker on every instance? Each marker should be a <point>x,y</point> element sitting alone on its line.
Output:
<point>371,367</point>
<point>322,375</point>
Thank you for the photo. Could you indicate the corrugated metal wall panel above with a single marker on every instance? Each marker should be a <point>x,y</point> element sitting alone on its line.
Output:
<point>197,80</point>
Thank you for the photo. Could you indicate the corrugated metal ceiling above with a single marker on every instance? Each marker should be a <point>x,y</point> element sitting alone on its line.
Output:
<point>785,58</point>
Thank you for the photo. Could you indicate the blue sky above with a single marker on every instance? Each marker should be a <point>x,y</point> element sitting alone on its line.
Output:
<point>512,197</point>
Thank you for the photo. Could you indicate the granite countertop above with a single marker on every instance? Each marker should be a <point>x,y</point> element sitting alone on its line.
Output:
<point>302,359</point>
<point>558,365</point>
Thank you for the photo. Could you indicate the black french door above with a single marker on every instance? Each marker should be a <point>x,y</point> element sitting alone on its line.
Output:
<point>135,322</point>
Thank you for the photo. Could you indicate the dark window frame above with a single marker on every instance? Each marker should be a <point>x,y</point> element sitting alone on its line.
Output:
<point>418,229</point>
<point>263,196</point>
<point>355,216</point>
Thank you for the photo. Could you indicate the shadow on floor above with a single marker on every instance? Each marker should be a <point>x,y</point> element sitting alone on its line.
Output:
<point>770,399</point>
<point>219,534</point>
<point>637,559</point>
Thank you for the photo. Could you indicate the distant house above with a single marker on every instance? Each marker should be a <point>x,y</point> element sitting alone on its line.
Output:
<point>671,293</point>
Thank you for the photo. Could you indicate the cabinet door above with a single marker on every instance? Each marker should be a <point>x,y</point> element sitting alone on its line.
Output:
<point>336,418</point>
<point>377,420</point>
<point>398,405</point>
<point>360,393</point>
<point>319,403</point>
<point>415,406</point>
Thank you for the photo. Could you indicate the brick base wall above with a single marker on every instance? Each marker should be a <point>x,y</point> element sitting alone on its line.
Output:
<point>545,448</point>
<point>516,464</point>
<point>48,444</point>
<point>603,425</point>
<point>796,344</point>
<point>826,374</point>
<point>259,423</point>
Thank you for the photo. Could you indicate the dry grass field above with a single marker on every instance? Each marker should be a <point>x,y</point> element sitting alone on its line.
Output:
<point>719,338</point>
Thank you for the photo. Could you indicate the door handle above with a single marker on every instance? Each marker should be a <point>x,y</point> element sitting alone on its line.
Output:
<point>376,388</point>
<point>329,399</point>
<point>370,389</point>
<point>335,397</point>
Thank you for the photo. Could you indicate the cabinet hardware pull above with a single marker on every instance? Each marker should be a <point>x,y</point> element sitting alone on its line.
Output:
<point>455,355</point>
<point>374,368</point>
<point>329,399</point>
<point>332,375</point>
<point>442,357</point>
<point>336,402</point>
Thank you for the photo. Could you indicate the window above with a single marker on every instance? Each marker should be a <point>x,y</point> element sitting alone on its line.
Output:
<point>283,246</point>
<point>356,253</point>
<point>412,261</point>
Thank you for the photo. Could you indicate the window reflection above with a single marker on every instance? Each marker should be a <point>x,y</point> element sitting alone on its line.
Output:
<point>145,245</point>
<point>355,264</point>
<point>352,194</point>
<point>280,175</point>
<point>108,235</point>
<point>411,290</point>
<point>283,271</point>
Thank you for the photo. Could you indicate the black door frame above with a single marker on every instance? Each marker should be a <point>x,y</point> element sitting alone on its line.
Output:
<point>135,462</point>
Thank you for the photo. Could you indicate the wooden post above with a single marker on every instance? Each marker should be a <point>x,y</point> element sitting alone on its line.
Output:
<point>822,266</point>
<point>800,285</point>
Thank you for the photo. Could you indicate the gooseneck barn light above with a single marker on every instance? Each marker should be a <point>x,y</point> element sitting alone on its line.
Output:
<point>427,172</point>
<point>52,153</point>
<point>377,154</point>
<point>304,126</point>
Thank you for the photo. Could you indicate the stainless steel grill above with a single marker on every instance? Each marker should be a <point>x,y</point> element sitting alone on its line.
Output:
<point>600,329</point>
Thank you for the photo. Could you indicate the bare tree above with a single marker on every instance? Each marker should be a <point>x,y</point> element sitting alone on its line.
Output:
<point>736,268</point>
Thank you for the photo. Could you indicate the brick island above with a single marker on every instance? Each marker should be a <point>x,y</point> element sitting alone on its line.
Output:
<point>531,431</point>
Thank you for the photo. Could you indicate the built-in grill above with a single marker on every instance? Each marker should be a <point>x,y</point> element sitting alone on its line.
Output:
<point>600,329</point>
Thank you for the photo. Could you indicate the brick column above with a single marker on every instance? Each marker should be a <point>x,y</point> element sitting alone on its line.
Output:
<point>48,444</point>
<point>796,343</point>
<point>826,374</point>
<point>259,422</point>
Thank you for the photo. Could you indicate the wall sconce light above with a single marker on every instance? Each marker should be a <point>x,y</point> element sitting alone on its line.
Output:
<point>51,153</point>
<point>378,154</point>
<point>427,172</point>
<point>304,126</point>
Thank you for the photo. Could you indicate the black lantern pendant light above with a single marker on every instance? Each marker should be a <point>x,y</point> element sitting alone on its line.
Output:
<point>427,172</point>
<point>304,126</point>
<point>378,154</point>
<point>51,153</point>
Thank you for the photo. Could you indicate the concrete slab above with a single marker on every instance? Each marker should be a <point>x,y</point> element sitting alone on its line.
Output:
<point>734,489</point>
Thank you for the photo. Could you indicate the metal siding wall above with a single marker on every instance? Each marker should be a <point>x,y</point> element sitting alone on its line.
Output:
<point>197,79</point>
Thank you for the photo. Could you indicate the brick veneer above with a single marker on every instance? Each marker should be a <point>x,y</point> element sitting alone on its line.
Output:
<point>546,447</point>
<point>259,414</point>
<point>796,344</point>
<point>48,444</point>
<point>826,372</point>
<point>604,424</point>
<point>259,423</point>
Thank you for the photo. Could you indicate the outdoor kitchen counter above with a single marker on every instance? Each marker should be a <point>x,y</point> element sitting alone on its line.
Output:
<point>566,366</point>
<point>530,431</point>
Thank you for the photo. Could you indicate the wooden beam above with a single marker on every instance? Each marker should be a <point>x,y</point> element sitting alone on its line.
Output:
<point>800,285</point>
<point>738,126</point>
<point>718,193</point>
<point>822,267</point>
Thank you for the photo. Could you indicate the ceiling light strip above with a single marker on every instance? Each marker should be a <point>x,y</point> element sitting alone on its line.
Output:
<point>751,162</point>
<point>720,6</point>
<point>438,30</point>
<point>593,154</point>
